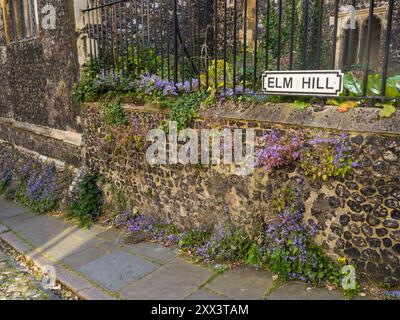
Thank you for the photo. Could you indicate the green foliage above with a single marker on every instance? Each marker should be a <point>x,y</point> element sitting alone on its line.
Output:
<point>185,108</point>
<point>87,206</point>
<point>254,255</point>
<point>354,85</point>
<point>301,105</point>
<point>112,113</point>
<point>3,188</point>
<point>216,81</point>
<point>140,61</point>
<point>387,111</point>
<point>282,198</point>
<point>88,89</point>
<point>328,155</point>
<point>194,238</point>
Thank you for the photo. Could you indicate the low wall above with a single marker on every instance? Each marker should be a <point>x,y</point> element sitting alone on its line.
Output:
<point>357,216</point>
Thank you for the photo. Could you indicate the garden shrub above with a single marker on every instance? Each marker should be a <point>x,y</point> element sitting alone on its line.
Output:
<point>87,207</point>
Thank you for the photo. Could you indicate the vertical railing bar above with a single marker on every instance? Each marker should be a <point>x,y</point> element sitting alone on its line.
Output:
<point>114,45</point>
<point>148,24</point>
<point>132,37</point>
<point>369,35</point>
<point>191,46</point>
<point>142,44</point>
<point>267,35</point>
<point>125,21</point>
<point>162,38</point>
<point>106,52</point>
<point>234,44</point>
<point>255,47</point>
<point>121,59</point>
<point>351,41</point>
<point>216,45</point>
<point>305,30</point>
<point>138,58</point>
<point>206,43</point>
<point>292,35</point>
<point>168,42</point>
<point>101,33</point>
<point>94,28</point>
<point>387,47</point>
<point>198,43</point>
<point>175,20</point>
<point>319,41</point>
<point>244,44</point>
<point>335,31</point>
<point>153,13</point>
<point>89,32</point>
<point>225,42</point>
<point>278,55</point>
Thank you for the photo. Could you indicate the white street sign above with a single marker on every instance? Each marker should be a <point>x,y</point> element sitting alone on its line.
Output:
<point>307,82</point>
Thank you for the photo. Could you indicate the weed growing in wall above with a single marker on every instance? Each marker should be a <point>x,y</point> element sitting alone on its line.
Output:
<point>327,155</point>
<point>112,113</point>
<point>87,207</point>
<point>279,150</point>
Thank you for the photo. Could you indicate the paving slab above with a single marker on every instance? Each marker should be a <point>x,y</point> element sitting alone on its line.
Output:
<point>41,229</point>
<point>73,281</point>
<point>152,251</point>
<point>66,245</point>
<point>243,283</point>
<point>3,229</point>
<point>9,209</point>
<point>103,233</point>
<point>84,257</point>
<point>115,270</point>
<point>18,219</point>
<point>204,294</point>
<point>298,291</point>
<point>174,281</point>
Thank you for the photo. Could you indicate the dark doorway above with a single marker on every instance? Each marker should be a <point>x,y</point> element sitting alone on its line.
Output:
<point>349,53</point>
<point>375,42</point>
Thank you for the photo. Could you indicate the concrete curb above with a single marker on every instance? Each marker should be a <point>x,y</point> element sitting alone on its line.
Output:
<point>74,282</point>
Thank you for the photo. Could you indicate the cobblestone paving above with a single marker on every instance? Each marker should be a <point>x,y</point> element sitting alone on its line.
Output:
<point>18,281</point>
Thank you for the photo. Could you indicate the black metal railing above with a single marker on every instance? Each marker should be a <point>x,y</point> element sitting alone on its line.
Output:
<point>228,44</point>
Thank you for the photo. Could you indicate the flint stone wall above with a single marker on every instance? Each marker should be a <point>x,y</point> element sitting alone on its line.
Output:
<point>357,216</point>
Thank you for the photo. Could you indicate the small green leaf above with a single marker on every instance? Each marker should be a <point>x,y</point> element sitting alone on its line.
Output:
<point>300,105</point>
<point>387,111</point>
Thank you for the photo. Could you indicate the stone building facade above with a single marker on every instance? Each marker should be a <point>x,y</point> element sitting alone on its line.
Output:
<point>38,68</point>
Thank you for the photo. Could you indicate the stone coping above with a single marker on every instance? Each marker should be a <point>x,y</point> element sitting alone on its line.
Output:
<point>355,120</point>
<point>69,137</point>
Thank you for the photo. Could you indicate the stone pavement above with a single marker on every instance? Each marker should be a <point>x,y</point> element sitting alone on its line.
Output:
<point>96,264</point>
